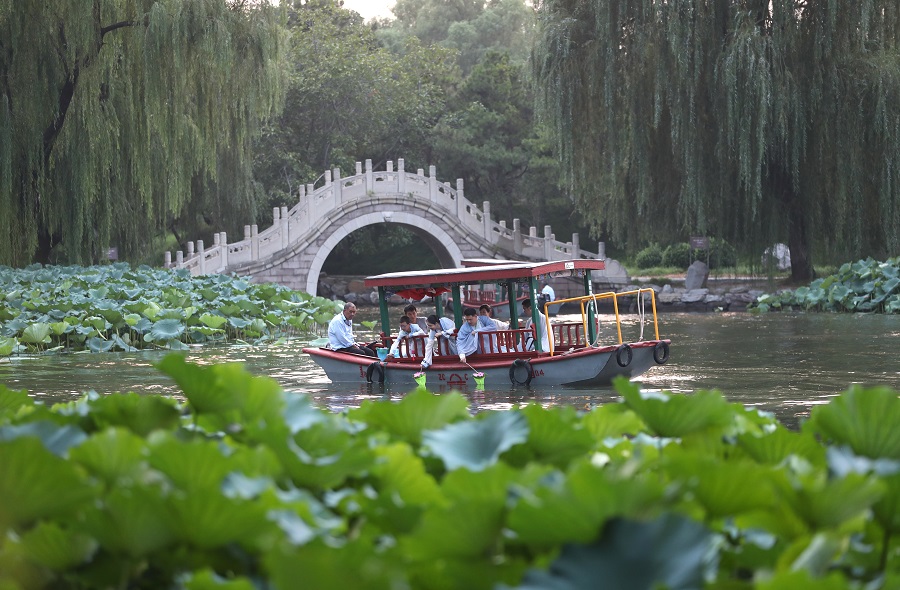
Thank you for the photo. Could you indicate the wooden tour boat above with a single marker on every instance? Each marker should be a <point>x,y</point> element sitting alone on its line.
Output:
<point>585,352</point>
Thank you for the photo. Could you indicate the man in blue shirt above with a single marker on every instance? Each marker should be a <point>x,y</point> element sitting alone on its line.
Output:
<point>340,333</point>
<point>467,335</point>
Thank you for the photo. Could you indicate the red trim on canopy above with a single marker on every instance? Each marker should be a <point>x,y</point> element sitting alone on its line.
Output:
<point>420,294</point>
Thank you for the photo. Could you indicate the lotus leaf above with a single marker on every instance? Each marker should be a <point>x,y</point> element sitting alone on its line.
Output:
<point>7,346</point>
<point>37,333</point>
<point>238,323</point>
<point>11,400</point>
<point>112,455</point>
<point>477,445</point>
<point>57,439</point>
<point>166,330</point>
<point>670,552</point>
<point>555,436</point>
<point>98,293</point>
<point>35,483</point>
<point>209,580</point>
<point>132,521</point>
<point>864,419</point>
<point>675,415</point>
<point>830,504</point>
<point>213,321</point>
<point>776,446</point>
<point>803,580</point>
<point>100,345</point>
<point>177,345</point>
<point>60,328</point>
<point>57,548</point>
<point>151,310</point>
<point>141,414</point>
<point>170,313</point>
<point>612,420</point>
<point>559,509</point>
<point>415,413</point>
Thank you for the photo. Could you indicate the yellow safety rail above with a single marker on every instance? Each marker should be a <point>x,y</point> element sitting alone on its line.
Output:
<point>585,299</point>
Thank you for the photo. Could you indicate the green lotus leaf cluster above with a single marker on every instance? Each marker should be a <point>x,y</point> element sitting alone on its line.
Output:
<point>245,486</point>
<point>865,286</point>
<point>119,308</point>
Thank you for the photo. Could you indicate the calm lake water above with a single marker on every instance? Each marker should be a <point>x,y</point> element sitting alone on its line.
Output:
<point>784,363</point>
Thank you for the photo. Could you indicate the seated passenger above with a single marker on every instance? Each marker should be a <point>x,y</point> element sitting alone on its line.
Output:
<point>340,333</point>
<point>541,328</point>
<point>486,310</point>
<point>412,313</point>
<point>407,329</point>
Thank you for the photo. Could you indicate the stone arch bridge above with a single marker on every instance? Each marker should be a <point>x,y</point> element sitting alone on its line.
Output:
<point>294,248</point>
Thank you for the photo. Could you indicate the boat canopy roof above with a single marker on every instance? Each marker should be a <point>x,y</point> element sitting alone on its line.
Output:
<point>445,277</point>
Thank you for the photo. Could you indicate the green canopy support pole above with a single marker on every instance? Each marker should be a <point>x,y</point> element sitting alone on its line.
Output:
<point>457,305</point>
<point>592,323</point>
<point>513,304</point>
<point>533,285</point>
<point>385,320</point>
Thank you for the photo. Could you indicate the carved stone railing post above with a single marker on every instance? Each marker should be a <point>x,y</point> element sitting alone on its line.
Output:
<point>601,250</point>
<point>548,243</point>
<point>179,259</point>
<point>401,176</point>
<point>576,245</point>
<point>202,254</point>
<point>370,177</point>
<point>518,242</point>
<point>486,218</point>
<point>167,260</point>
<point>432,187</point>
<point>285,228</point>
<point>223,243</point>
<point>254,242</point>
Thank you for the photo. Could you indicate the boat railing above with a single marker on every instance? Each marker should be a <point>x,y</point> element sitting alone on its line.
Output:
<point>505,342</point>
<point>574,335</point>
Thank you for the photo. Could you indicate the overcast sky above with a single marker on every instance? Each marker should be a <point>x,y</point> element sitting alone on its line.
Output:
<point>371,8</point>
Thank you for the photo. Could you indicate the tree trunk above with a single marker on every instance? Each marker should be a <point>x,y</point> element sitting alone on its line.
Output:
<point>798,242</point>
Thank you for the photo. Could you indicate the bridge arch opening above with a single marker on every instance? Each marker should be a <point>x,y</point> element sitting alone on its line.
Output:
<point>428,233</point>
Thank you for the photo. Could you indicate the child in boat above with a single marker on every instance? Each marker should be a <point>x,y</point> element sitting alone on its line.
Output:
<point>407,329</point>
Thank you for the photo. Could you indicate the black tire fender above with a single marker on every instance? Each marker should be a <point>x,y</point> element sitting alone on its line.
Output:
<point>514,372</point>
<point>661,353</point>
<point>623,355</point>
<point>375,372</point>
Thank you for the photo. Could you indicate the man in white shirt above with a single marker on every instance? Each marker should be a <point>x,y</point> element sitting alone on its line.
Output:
<point>541,327</point>
<point>340,333</point>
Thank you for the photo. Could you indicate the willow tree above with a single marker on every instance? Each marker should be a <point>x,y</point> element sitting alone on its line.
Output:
<point>115,113</point>
<point>753,120</point>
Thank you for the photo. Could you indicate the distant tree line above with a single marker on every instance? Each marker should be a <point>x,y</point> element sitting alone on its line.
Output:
<point>146,123</point>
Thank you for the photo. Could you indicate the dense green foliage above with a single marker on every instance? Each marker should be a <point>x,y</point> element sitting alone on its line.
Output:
<point>756,121</point>
<point>244,486</point>
<point>122,117</point>
<point>862,286</point>
<point>116,307</point>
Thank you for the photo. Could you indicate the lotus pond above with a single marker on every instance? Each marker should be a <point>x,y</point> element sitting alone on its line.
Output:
<point>244,487</point>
